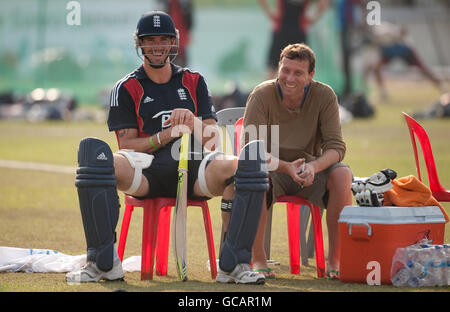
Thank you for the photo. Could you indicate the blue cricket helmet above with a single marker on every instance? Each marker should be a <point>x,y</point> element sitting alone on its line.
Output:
<point>155,23</point>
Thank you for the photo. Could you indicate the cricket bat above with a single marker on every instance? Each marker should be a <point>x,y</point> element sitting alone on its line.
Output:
<point>179,218</point>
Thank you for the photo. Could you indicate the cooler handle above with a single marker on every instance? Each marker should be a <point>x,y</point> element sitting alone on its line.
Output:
<point>369,228</point>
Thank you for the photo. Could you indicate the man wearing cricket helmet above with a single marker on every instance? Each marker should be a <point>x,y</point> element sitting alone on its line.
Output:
<point>150,108</point>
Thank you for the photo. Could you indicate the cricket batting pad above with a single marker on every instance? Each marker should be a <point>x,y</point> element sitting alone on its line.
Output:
<point>251,182</point>
<point>99,202</point>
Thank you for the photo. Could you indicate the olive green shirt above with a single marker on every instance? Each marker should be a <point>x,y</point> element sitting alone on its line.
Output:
<point>306,132</point>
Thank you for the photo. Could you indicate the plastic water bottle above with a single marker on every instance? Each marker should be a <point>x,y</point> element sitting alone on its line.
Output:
<point>411,252</point>
<point>446,248</point>
<point>424,257</point>
<point>447,256</point>
<point>419,274</point>
<point>417,269</point>
<point>402,277</point>
<point>438,265</point>
<point>414,281</point>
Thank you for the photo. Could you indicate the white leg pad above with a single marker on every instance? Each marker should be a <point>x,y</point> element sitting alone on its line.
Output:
<point>202,174</point>
<point>138,161</point>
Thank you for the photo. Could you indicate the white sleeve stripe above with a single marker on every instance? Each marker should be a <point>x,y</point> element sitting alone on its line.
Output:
<point>114,98</point>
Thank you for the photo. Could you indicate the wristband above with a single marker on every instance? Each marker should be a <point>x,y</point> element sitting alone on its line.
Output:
<point>152,143</point>
<point>158,138</point>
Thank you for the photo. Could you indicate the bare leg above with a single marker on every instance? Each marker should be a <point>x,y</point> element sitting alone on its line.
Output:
<point>340,195</point>
<point>428,73</point>
<point>124,176</point>
<point>216,174</point>
<point>380,81</point>
<point>259,258</point>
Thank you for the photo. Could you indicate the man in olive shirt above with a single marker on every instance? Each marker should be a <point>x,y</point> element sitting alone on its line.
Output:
<point>305,143</point>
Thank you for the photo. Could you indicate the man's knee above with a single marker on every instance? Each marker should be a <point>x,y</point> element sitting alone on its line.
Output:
<point>122,169</point>
<point>214,172</point>
<point>340,177</point>
<point>227,167</point>
<point>222,168</point>
<point>125,173</point>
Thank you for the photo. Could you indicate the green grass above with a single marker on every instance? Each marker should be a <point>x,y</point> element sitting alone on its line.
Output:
<point>40,209</point>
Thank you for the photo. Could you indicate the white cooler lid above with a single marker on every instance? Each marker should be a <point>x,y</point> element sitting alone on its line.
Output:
<point>391,215</point>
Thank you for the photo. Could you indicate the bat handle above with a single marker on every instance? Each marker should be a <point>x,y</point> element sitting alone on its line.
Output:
<point>184,151</point>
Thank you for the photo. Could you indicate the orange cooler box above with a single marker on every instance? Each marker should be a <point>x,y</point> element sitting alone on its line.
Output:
<point>374,233</point>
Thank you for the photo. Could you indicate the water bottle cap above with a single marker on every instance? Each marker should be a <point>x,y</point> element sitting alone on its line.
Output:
<point>437,247</point>
<point>410,264</point>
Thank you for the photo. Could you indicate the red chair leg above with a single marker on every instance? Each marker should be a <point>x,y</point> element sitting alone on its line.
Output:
<point>162,241</point>
<point>210,241</point>
<point>124,230</point>
<point>293,221</point>
<point>318,240</point>
<point>149,234</point>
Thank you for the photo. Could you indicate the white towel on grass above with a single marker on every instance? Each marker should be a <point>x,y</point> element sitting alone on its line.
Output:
<point>31,260</point>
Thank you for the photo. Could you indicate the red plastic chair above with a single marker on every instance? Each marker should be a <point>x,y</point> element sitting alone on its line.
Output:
<point>438,191</point>
<point>156,233</point>
<point>293,204</point>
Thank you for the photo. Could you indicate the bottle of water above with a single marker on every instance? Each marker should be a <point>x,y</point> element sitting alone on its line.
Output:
<point>447,256</point>
<point>438,265</point>
<point>417,269</point>
<point>424,257</point>
<point>402,277</point>
<point>420,275</point>
<point>414,281</point>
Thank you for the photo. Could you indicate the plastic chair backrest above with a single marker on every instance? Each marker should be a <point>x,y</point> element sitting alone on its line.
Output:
<point>227,118</point>
<point>237,135</point>
<point>415,128</point>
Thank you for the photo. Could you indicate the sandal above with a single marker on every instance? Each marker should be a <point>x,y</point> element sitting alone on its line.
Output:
<point>268,273</point>
<point>333,275</point>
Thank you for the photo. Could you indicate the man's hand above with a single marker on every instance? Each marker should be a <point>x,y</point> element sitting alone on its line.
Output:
<point>300,172</point>
<point>181,120</point>
<point>306,174</point>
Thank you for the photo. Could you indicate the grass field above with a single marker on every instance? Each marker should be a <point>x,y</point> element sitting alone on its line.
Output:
<point>40,209</point>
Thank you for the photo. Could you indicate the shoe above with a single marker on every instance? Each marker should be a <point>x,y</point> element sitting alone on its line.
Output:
<point>90,273</point>
<point>268,273</point>
<point>242,274</point>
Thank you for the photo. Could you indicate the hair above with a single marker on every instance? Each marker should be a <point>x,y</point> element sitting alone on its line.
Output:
<point>301,52</point>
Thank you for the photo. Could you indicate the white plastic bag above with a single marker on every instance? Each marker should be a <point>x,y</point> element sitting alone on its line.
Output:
<point>132,264</point>
<point>38,260</point>
<point>28,260</point>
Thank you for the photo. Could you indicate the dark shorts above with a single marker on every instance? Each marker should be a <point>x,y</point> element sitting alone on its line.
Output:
<point>400,51</point>
<point>162,177</point>
<point>317,193</point>
<point>279,41</point>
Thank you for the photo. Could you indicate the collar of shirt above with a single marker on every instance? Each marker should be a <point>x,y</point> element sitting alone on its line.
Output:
<point>140,71</point>
<point>305,90</point>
